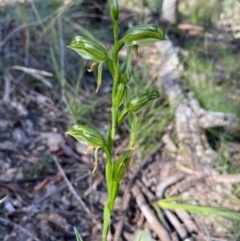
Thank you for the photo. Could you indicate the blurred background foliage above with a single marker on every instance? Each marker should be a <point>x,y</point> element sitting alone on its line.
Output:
<point>33,55</point>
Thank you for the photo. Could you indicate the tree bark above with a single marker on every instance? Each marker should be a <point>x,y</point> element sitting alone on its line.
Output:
<point>169,11</point>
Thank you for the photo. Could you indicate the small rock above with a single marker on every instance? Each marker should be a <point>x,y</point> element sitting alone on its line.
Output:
<point>19,136</point>
<point>9,206</point>
<point>53,140</point>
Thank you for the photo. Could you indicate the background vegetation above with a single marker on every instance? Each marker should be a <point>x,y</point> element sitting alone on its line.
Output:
<point>45,88</point>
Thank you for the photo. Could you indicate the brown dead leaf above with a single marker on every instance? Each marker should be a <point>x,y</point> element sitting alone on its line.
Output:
<point>51,220</point>
<point>45,183</point>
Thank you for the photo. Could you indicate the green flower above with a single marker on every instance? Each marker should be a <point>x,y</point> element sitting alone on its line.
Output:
<point>137,102</point>
<point>121,88</point>
<point>87,135</point>
<point>143,35</point>
<point>121,165</point>
<point>89,49</point>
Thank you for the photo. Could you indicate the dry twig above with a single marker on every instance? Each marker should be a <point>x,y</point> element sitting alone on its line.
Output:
<point>149,215</point>
<point>7,90</point>
<point>182,232</point>
<point>3,199</point>
<point>166,182</point>
<point>70,186</point>
<point>73,191</point>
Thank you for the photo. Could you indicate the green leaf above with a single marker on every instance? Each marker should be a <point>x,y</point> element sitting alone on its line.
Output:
<point>171,204</point>
<point>122,115</point>
<point>109,174</point>
<point>126,95</point>
<point>99,78</point>
<point>126,67</point>
<point>78,237</point>
<point>143,35</point>
<point>132,121</point>
<point>89,49</point>
<point>113,194</point>
<point>129,60</point>
<point>119,46</point>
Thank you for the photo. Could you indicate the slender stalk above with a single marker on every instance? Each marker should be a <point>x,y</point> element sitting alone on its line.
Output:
<point>113,128</point>
<point>115,80</point>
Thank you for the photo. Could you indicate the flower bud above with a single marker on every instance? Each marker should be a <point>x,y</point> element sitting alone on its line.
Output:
<point>121,88</point>
<point>125,73</point>
<point>121,165</point>
<point>143,35</point>
<point>124,78</point>
<point>87,135</point>
<point>89,49</point>
<point>114,9</point>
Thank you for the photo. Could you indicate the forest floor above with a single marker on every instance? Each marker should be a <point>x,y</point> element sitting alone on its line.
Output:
<point>46,182</point>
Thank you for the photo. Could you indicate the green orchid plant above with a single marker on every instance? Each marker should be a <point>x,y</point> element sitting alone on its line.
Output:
<point>122,104</point>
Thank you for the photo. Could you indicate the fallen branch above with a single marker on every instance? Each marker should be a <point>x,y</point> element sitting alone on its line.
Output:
<point>232,178</point>
<point>190,118</point>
